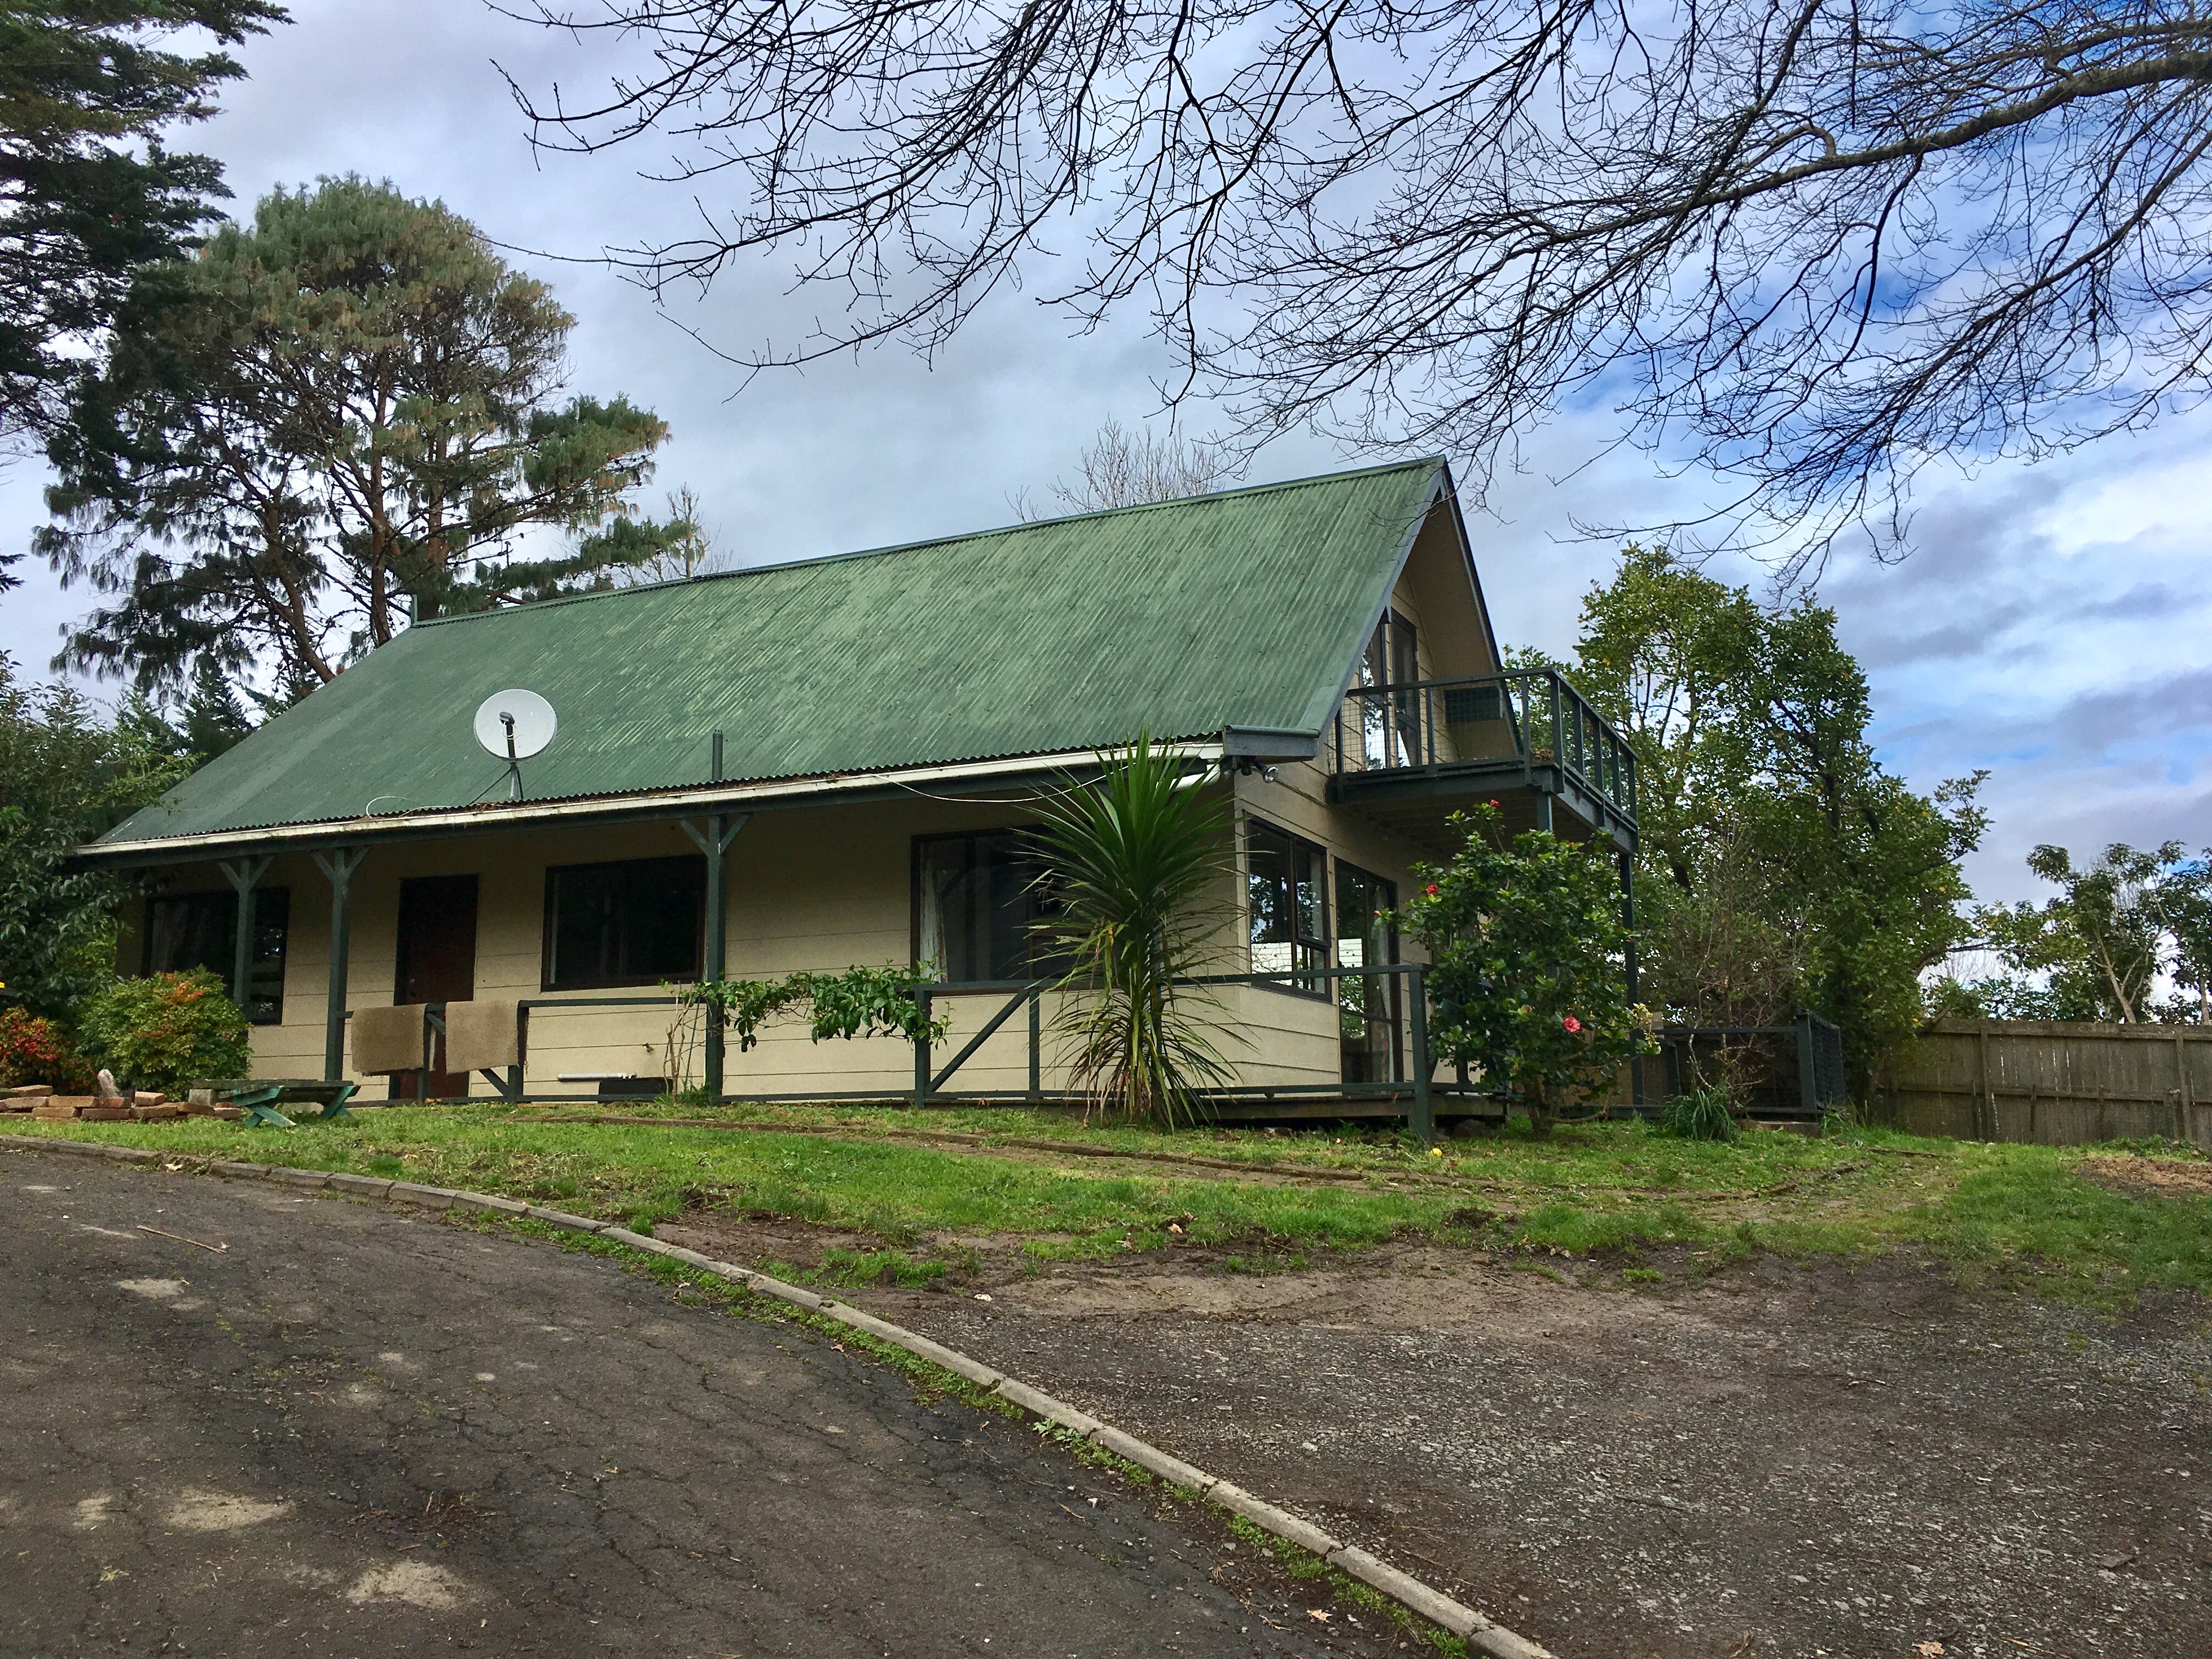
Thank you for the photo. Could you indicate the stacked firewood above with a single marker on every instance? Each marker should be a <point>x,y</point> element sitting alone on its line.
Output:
<point>40,1100</point>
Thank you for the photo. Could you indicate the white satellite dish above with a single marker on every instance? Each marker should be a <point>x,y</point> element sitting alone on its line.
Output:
<point>514,725</point>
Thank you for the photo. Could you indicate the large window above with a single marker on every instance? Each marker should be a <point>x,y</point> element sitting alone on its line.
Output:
<point>1368,1007</point>
<point>200,930</point>
<point>1287,898</point>
<point>633,923</point>
<point>976,904</point>
<point>1390,731</point>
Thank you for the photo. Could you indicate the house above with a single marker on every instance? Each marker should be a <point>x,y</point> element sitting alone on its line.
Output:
<point>830,762</point>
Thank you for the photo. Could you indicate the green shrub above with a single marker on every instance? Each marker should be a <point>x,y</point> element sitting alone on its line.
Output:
<point>1704,1114</point>
<point>1525,942</point>
<point>36,1050</point>
<point>164,1031</point>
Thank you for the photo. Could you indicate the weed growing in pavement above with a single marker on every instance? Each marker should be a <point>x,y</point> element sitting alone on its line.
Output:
<point>1302,1564</point>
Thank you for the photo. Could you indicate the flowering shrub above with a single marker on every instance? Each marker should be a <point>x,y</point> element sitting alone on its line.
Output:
<point>1527,947</point>
<point>162,1031</point>
<point>35,1050</point>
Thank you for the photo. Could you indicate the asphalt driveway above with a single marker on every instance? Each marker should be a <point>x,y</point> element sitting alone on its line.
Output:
<point>353,1431</point>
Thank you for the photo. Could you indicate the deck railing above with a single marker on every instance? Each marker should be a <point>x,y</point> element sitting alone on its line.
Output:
<point>933,1074</point>
<point>1526,720</point>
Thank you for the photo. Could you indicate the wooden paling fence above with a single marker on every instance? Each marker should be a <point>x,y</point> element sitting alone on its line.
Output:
<point>2055,1084</point>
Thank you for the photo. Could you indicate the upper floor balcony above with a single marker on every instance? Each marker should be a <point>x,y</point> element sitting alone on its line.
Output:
<point>1412,753</point>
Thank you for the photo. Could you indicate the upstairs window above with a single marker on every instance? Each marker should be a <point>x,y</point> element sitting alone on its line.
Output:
<point>200,930</point>
<point>637,922</point>
<point>976,904</point>
<point>1390,731</point>
<point>1286,899</point>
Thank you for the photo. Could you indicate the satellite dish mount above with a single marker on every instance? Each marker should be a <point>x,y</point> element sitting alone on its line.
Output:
<point>514,725</point>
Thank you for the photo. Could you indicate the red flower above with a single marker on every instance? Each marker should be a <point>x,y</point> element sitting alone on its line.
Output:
<point>1493,803</point>
<point>1571,1024</point>
<point>1432,890</point>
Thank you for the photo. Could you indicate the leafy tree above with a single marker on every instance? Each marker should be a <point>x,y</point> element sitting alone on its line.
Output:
<point>1814,246</point>
<point>341,413</point>
<point>208,718</point>
<point>66,776</point>
<point>678,549</point>
<point>88,194</point>
<point>1526,945</point>
<point>1780,866</point>
<point>1134,867</point>
<point>2095,951</point>
<point>2184,909</point>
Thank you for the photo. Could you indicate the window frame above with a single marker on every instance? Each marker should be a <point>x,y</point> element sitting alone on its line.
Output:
<point>226,900</point>
<point>546,962</point>
<point>1301,851</point>
<point>1034,965</point>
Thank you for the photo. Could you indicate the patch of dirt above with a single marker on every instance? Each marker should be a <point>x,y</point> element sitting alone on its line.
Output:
<point>417,1583</point>
<point>215,1511</point>
<point>2155,1177</point>
<point>755,1238</point>
<point>1749,1458</point>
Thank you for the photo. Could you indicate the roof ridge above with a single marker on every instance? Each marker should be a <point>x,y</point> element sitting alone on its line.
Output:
<point>1308,482</point>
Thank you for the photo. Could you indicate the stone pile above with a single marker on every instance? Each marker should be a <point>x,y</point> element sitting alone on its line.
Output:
<point>143,1105</point>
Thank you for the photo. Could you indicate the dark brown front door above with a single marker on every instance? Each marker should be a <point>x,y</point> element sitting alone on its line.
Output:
<point>437,962</point>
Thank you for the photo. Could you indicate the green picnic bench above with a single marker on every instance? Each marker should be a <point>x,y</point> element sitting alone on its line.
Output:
<point>258,1098</point>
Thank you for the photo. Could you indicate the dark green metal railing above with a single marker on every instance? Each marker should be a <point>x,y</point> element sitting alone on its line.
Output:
<point>1482,723</point>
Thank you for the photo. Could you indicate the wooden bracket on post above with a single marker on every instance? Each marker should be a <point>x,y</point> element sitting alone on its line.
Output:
<point>244,874</point>
<point>337,867</point>
<point>713,839</point>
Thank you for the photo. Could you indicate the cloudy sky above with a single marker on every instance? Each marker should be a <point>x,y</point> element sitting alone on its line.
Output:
<point>2050,625</point>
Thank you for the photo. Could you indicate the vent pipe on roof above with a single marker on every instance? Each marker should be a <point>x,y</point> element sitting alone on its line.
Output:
<point>718,757</point>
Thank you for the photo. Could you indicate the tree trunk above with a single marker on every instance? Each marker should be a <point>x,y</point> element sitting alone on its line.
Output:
<point>1540,1115</point>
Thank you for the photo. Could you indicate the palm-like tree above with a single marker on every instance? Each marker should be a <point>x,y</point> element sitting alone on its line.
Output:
<point>1136,865</point>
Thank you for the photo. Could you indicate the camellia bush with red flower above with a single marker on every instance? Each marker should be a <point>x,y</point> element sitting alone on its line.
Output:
<point>1528,951</point>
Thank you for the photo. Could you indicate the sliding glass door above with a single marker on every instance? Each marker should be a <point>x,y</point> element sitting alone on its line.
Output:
<point>1367,1005</point>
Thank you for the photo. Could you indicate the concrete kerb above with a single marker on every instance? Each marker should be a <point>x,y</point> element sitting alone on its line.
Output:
<point>1480,1634</point>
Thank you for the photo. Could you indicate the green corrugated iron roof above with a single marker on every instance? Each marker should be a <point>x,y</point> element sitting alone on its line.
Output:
<point>1245,609</point>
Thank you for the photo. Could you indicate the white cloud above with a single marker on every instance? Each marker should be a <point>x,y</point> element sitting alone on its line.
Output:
<point>2050,625</point>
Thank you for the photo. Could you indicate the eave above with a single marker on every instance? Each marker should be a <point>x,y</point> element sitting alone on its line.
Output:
<point>587,811</point>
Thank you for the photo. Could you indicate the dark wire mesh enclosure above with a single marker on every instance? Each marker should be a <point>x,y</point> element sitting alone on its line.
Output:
<point>1793,1071</point>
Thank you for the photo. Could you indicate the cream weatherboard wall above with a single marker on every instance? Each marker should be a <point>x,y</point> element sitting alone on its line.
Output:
<point>809,888</point>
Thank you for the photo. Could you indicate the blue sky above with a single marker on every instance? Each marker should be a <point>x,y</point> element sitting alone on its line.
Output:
<point>2050,625</point>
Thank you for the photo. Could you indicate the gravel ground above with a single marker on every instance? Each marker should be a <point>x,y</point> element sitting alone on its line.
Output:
<point>352,1431</point>
<point>1770,1459</point>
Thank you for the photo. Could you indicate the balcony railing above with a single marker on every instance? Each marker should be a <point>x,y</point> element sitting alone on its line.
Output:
<point>1486,724</point>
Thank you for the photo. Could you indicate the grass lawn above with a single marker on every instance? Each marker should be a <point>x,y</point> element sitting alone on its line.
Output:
<point>915,1185</point>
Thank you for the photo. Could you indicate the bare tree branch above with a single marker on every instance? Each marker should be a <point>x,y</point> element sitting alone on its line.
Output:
<point>1811,244</point>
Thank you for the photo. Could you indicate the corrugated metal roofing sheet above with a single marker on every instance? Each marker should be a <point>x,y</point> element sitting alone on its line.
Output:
<point>1245,608</point>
